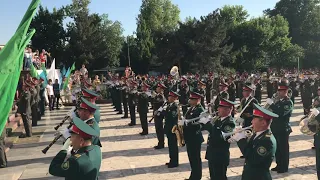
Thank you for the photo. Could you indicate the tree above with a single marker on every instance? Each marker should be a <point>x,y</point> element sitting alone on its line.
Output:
<point>93,40</point>
<point>262,42</point>
<point>304,26</point>
<point>156,18</point>
<point>50,35</point>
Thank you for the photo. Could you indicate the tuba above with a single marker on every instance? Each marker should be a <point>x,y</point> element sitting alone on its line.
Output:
<point>178,130</point>
<point>309,125</point>
<point>174,72</point>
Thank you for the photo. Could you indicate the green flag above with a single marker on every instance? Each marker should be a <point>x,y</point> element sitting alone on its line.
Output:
<point>73,67</point>
<point>11,61</point>
<point>33,71</point>
<point>68,74</point>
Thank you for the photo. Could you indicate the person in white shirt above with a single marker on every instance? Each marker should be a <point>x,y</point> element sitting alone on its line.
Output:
<point>83,70</point>
<point>50,94</point>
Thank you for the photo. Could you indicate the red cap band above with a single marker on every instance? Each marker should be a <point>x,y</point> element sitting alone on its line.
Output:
<point>259,113</point>
<point>85,106</point>
<point>282,87</point>
<point>76,130</point>
<point>225,103</point>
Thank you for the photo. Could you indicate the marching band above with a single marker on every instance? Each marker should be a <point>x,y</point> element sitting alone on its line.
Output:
<point>180,113</point>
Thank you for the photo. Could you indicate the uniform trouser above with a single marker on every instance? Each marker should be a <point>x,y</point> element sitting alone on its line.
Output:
<point>38,111</point>
<point>208,98</point>
<point>194,155</point>
<point>125,108</point>
<point>158,123</point>
<point>292,99</point>
<point>184,109</point>
<point>318,161</point>
<point>34,114</point>
<point>217,171</point>
<point>173,149</point>
<point>3,157</point>
<point>282,152</point>
<point>27,124</point>
<point>132,110</point>
<point>57,98</point>
<point>258,98</point>
<point>144,121</point>
<point>42,106</point>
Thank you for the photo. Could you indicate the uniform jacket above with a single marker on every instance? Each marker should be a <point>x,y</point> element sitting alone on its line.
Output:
<point>259,154</point>
<point>192,133</point>
<point>284,109</point>
<point>84,165</point>
<point>218,148</point>
<point>171,117</point>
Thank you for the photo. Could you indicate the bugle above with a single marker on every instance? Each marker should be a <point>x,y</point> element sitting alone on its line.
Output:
<point>248,133</point>
<point>44,151</point>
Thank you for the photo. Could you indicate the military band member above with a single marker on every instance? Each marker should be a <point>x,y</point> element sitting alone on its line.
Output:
<point>247,114</point>
<point>281,128</point>
<point>184,94</point>
<point>193,136</point>
<point>34,103</point>
<point>259,151</point>
<point>306,96</point>
<point>231,89</point>
<point>132,102</point>
<point>86,162</point>
<point>143,101</point>
<point>24,109</point>
<point>315,113</point>
<point>269,88</point>
<point>201,90</point>
<point>209,88</point>
<point>316,142</point>
<point>217,153</point>
<point>158,102</point>
<point>223,87</point>
<point>171,119</point>
<point>258,90</point>
<point>92,97</point>
<point>3,156</point>
<point>124,95</point>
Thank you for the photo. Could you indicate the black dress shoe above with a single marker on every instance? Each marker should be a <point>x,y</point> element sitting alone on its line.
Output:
<point>130,124</point>
<point>124,117</point>
<point>172,165</point>
<point>274,169</point>
<point>143,133</point>
<point>158,147</point>
<point>241,157</point>
<point>167,163</point>
<point>119,113</point>
<point>313,147</point>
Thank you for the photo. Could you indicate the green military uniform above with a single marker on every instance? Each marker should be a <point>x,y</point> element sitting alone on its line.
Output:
<point>317,140</point>
<point>158,102</point>
<point>193,139</point>
<point>24,109</point>
<point>171,119</point>
<point>87,93</point>
<point>209,89</point>
<point>85,164</point>
<point>247,113</point>
<point>281,129</point>
<point>217,153</point>
<point>184,94</point>
<point>132,107</point>
<point>259,152</point>
<point>222,94</point>
<point>143,101</point>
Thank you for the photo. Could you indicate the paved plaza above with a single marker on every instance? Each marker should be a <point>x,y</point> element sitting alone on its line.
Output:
<point>129,156</point>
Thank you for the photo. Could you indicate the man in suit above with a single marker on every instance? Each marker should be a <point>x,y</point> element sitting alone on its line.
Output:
<point>217,153</point>
<point>85,163</point>
<point>171,119</point>
<point>259,151</point>
<point>193,136</point>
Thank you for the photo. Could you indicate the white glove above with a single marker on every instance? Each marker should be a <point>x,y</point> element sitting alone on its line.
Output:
<point>204,120</point>
<point>66,145</point>
<point>239,120</point>
<point>238,136</point>
<point>269,101</point>
<point>315,111</point>
<point>148,93</point>
<point>160,109</point>
<point>65,133</point>
<point>181,122</point>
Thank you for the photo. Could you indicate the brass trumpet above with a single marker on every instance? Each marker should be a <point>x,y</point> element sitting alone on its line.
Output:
<point>248,133</point>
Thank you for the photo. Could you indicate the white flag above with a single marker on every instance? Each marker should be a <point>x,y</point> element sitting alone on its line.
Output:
<point>52,71</point>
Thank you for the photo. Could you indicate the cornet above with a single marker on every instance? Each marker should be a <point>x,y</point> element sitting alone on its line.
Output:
<point>247,130</point>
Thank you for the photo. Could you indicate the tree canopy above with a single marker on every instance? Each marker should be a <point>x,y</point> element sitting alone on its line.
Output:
<point>224,38</point>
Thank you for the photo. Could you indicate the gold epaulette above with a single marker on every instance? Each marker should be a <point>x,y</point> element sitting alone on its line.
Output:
<point>77,156</point>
